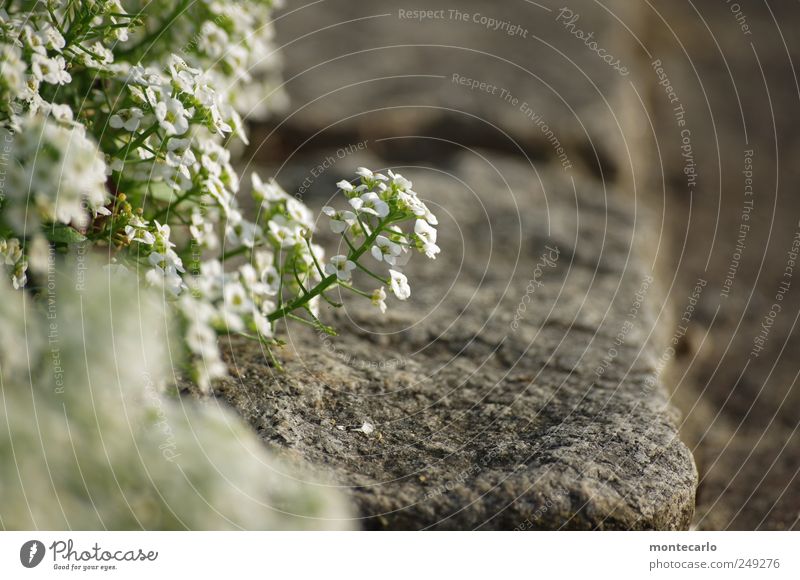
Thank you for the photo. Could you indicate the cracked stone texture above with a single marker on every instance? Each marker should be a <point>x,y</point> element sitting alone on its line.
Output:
<point>480,423</point>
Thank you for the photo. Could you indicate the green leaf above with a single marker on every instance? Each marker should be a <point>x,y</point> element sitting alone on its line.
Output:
<point>61,234</point>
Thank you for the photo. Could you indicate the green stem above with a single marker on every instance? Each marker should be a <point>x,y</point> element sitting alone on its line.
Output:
<point>136,142</point>
<point>378,278</point>
<point>356,290</point>
<point>314,257</point>
<point>329,280</point>
<point>238,251</point>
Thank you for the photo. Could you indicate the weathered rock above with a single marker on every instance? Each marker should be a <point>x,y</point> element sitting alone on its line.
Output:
<point>725,70</point>
<point>506,76</point>
<point>518,388</point>
<point>87,441</point>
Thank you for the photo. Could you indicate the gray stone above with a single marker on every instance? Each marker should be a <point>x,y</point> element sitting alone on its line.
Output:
<point>358,70</point>
<point>481,422</point>
<point>738,94</point>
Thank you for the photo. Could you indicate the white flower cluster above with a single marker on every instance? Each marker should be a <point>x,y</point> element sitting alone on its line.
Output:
<point>380,204</point>
<point>55,174</point>
<point>232,42</point>
<point>12,258</point>
<point>118,115</point>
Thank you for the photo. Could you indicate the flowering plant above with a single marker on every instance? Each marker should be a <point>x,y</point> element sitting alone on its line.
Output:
<point>113,138</point>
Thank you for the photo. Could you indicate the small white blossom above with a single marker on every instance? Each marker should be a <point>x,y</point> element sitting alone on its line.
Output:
<point>262,325</point>
<point>128,119</point>
<point>425,232</point>
<point>399,284</point>
<point>366,428</point>
<point>213,40</point>
<point>236,298</point>
<point>379,299</point>
<point>340,220</point>
<point>399,181</point>
<point>57,171</point>
<point>299,212</point>
<point>50,70</point>
<point>172,116</point>
<point>345,185</point>
<point>166,271</point>
<point>370,203</point>
<point>340,266</point>
<point>269,192</point>
<point>385,250</point>
<point>365,173</point>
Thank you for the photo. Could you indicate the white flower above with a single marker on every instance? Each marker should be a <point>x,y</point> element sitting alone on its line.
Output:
<point>203,231</point>
<point>345,185</point>
<point>385,250</point>
<point>213,40</point>
<point>19,277</point>
<point>181,156</point>
<point>410,201</point>
<point>52,38</point>
<point>61,113</point>
<point>269,192</point>
<point>138,233</point>
<point>285,232</point>
<point>340,266</point>
<point>425,232</point>
<point>430,218</point>
<point>262,324</point>
<point>340,220</point>
<point>13,69</point>
<point>213,157</point>
<point>370,203</point>
<point>427,237</point>
<point>399,181</point>
<point>201,340</point>
<point>299,212</point>
<point>50,70</point>
<point>245,233</point>
<point>165,271</point>
<point>129,119</point>
<point>183,76</point>
<point>431,250</point>
<point>236,297</point>
<point>379,299</point>
<point>216,188</point>
<point>271,279</point>
<point>172,116</point>
<point>228,320</point>
<point>400,285</point>
<point>57,171</point>
<point>365,173</point>
<point>96,56</point>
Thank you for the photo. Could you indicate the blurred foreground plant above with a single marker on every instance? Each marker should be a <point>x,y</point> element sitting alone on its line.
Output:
<point>88,441</point>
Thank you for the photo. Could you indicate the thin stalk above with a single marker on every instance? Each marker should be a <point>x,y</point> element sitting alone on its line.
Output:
<point>329,280</point>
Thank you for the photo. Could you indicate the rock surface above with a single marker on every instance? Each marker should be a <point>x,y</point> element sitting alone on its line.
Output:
<point>506,76</point>
<point>518,388</point>
<point>730,68</point>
